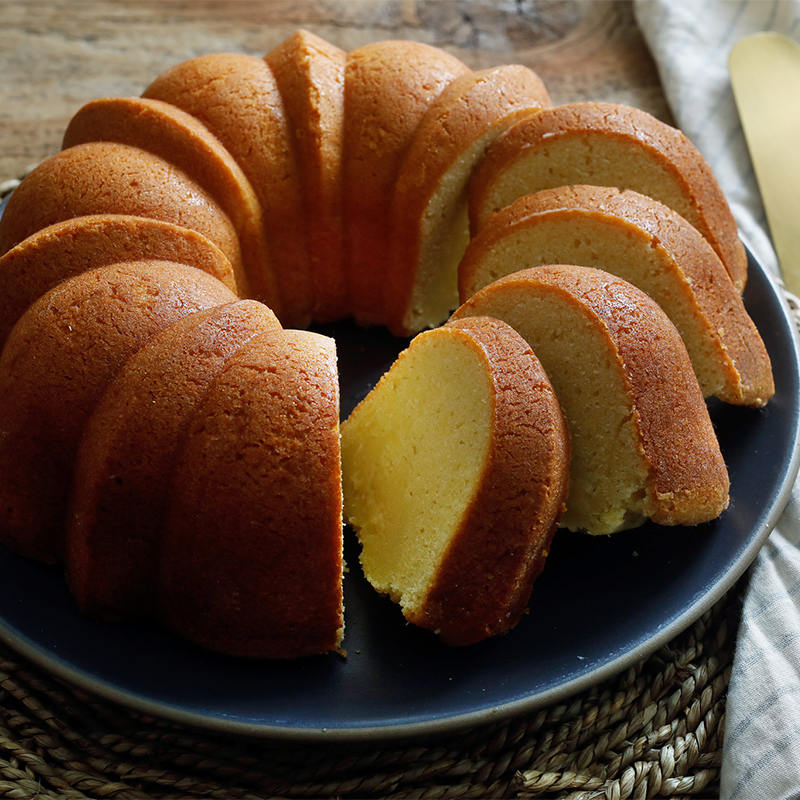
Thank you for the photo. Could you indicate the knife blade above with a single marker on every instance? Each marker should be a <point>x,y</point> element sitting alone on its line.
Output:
<point>765,75</point>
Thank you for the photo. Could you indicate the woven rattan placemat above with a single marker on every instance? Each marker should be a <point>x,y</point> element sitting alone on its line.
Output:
<point>653,731</point>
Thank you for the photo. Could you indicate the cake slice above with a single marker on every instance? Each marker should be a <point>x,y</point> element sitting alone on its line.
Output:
<point>429,212</point>
<point>128,451</point>
<point>236,97</point>
<point>56,364</point>
<point>606,144</point>
<point>309,73</point>
<point>67,248</point>
<point>388,88</point>
<point>647,244</point>
<point>643,446</point>
<point>252,554</point>
<point>455,472</point>
<point>112,178</point>
<point>180,139</point>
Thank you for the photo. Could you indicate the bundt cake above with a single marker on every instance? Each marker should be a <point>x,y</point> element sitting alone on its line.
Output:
<point>643,446</point>
<point>455,471</point>
<point>128,451</point>
<point>165,435</point>
<point>608,145</point>
<point>651,246</point>
<point>310,75</point>
<point>67,248</point>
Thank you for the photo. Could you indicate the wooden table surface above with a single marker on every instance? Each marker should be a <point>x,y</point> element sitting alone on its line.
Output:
<point>57,55</point>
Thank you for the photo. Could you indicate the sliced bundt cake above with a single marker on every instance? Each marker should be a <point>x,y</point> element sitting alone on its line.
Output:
<point>607,144</point>
<point>651,246</point>
<point>643,445</point>
<point>455,471</point>
<point>182,451</point>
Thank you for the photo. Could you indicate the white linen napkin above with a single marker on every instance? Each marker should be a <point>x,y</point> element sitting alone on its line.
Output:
<point>690,41</point>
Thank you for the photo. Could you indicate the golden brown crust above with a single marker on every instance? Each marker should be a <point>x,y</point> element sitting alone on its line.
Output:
<point>310,75</point>
<point>483,583</point>
<point>252,552</point>
<point>667,146</point>
<point>236,98</point>
<point>474,108</point>
<point>127,454</point>
<point>180,139</point>
<point>67,248</point>
<point>687,481</point>
<point>111,178</point>
<point>388,88</point>
<point>56,364</point>
<point>698,277</point>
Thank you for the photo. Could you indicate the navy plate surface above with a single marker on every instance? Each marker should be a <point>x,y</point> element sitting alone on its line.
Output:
<point>600,605</point>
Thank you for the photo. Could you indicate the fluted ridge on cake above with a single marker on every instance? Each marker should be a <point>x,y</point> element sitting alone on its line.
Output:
<point>237,98</point>
<point>389,87</point>
<point>112,178</point>
<point>128,451</point>
<point>182,140</point>
<point>56,364</point>
<point>310,74</point>
<point>65,249</point>
<point>252,556</point>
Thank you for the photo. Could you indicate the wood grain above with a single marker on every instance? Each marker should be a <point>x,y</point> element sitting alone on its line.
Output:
<point>57,55</point>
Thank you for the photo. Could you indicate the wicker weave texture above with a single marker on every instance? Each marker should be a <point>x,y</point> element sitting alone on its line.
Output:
<point>652,731</point>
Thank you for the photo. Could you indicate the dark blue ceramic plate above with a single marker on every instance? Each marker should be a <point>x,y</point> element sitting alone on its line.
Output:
<point>600,605</point>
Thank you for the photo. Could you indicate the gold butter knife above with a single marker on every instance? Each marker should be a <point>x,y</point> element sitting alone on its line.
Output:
<point>765,75</point>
